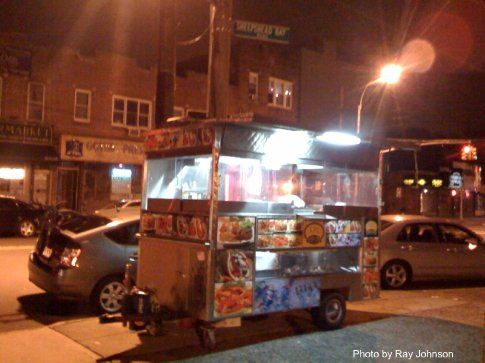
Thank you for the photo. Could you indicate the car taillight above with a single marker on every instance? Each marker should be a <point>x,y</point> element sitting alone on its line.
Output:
<point>70,257</point>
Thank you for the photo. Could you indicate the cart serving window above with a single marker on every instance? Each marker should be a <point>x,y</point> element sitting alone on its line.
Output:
<point>245,219</point>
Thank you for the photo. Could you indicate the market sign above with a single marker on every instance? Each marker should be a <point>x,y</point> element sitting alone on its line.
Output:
<point>264,32</point>
<point>15,61</point>
<point>25,133</point>
<point>80,148</point>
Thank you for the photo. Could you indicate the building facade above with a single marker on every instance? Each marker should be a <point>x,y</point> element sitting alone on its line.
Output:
<point>71,124</point>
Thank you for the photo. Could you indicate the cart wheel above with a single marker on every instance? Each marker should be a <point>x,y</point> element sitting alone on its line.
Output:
<point>154,328</point>
<point>331,312</point>
<point>209,338</point>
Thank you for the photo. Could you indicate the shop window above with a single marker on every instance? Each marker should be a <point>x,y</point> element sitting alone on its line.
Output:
<point>35,101</point>
<point>82,105</point>
<point>131,113</point>
<point>253,86</point>
<point>280,93</point>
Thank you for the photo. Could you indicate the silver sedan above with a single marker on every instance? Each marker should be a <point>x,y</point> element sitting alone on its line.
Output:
<point>422,248</point>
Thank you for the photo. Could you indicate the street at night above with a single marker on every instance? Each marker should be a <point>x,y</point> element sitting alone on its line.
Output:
<point>242,180</point>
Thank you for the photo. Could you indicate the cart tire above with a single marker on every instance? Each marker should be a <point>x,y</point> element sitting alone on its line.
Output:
<point>154,328</point>
<point>331,312</point>
<point>209,338</point>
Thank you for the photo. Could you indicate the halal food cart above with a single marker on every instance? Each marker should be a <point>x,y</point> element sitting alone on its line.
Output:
<point>240,219</point>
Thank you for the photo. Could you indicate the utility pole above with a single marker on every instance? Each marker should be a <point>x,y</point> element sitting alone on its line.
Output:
<point>219,57</point>
<point>166,63</point>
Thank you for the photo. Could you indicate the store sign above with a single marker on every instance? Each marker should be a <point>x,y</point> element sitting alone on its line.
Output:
<point>456,180</point>
<point>80,148</point>
<point>26,133</point>
<point>265,32</point>
<point>15,61</point>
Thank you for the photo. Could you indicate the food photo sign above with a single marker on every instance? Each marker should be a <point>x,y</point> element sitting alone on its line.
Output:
<point>235,232</point>
<point>278,233</point>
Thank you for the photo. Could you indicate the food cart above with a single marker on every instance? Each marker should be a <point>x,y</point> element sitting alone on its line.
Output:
<point>240,219</point>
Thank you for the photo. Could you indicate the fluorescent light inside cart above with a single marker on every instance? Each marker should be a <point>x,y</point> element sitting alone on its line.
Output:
<point>309,167</point>
<point>339,138</point>
<point>284,146</point>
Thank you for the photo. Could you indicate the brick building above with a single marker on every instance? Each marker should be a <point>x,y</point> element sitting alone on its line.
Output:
<point>91,109</point>
<point>71,124</point>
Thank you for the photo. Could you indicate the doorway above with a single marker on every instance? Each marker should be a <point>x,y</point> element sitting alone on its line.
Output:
<point>67,187</point>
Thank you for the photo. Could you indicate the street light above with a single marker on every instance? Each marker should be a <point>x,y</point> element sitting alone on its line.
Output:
<point>390,74</point>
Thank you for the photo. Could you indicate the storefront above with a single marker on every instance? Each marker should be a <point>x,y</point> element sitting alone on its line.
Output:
<point>95,171</point>
<point>27,161</point>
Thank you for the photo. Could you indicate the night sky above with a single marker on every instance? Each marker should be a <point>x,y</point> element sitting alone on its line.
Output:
<point>448,95</point>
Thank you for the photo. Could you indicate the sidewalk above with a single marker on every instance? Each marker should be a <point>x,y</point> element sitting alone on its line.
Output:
<point>446,320</point>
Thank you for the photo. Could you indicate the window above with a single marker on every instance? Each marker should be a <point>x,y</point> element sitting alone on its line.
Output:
<point>125,235</point>
<point>35,101</point>
<point>130,112</point>
<point>82,105</point>
<point>454,234</point>
<point>280,93</point>
<point>417,233</point>
<point>253,86</point>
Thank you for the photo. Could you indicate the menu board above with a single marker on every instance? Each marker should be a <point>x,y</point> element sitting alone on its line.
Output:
<point>176,138</point>
<point>273,295</point>
<point>278,233</point>
<point>313,233</point>
<point>235,232</point>
<point>370,275</point>
<point>233,299</point>
<point>234,265</point>
<point>343,233</point>
<point>187,227</point>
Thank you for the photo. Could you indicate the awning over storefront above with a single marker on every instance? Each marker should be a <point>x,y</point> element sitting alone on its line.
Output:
<point>17,152</point>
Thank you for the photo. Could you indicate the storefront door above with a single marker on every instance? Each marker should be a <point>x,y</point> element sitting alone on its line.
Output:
<point>67,187</point>
<point>42,179</point>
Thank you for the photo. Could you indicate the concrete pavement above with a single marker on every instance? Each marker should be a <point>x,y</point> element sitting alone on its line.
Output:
<point>432,319</point>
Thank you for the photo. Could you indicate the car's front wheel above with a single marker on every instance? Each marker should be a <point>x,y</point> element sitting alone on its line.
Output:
<point>26,228</point>
<point>395,275</point>
<point>108,295</point>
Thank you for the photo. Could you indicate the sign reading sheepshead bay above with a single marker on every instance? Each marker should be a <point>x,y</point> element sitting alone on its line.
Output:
<point>265,32</point>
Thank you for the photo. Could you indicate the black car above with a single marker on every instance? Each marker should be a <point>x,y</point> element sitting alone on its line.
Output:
<point>19,217</point>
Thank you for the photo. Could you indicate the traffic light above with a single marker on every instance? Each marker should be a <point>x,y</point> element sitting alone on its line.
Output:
<point>468,152</point>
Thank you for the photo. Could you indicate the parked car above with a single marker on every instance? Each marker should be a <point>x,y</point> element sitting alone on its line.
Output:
<point>85,259</point>
<point>19,217</point>
<point>120,208</point>
<point>422,248</point>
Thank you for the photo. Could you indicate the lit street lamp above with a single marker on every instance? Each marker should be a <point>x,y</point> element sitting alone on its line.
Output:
<point>390,74</point>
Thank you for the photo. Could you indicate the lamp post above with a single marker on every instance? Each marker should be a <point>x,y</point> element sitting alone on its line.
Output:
<point>390,74</point>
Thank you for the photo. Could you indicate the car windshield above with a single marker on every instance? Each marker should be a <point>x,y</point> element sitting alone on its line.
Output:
<point>85,223</point>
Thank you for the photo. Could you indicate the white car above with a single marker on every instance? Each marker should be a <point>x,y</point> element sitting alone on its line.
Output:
<point>121,208</point>
<point>422,248</point>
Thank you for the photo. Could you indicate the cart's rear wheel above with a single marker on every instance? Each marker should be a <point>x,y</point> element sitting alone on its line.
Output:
<point>331,312</point>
